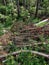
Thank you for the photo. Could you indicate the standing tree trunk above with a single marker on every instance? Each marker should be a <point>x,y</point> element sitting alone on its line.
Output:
<point>37,3</point>
<point>4,2</point>
<point>18,8</point>
<point>29,5</point>
<point>24,3</point>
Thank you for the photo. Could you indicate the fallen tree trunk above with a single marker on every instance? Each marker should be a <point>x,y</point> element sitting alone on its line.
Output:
<point>21,51</point>
<point>44,22</point>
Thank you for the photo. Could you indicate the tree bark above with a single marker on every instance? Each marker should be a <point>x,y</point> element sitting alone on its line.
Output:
<point>4,2</point>
<point>18,7</point>
<point>24,3</point>
<point>22,51</point>
<point>37,6</point>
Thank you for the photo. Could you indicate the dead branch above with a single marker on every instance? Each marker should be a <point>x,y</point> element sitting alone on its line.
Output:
<point>21,51</point>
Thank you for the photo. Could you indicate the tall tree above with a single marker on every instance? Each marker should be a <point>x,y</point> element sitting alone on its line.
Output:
<point>37,7</point>
<point>28,4</point>
<point>18,7</point>
<point>24,3</point>
<point>3,2</point>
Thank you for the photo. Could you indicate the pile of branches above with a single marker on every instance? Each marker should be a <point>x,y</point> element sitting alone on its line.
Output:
<point>23,35</point>
<point>30,31</point>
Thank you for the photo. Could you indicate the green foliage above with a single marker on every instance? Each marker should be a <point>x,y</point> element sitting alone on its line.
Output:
<point>10,61</point>
<point>27,58</point>
<point>32,9</point>
<point>9,15</point>
<point>24,12</point>
<point>1,29</point>
<point>36,20</point>
<point>2,9</point>
<point>31,59</point>
<point>8,21</point>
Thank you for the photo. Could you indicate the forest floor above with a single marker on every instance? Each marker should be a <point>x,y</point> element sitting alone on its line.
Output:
<point>24,36</point>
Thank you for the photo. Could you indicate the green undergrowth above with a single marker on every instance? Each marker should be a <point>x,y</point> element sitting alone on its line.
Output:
<point>27,58</point>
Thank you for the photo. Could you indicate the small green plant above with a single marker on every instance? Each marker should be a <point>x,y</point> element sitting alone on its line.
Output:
<point>10,61</point>
<point>1,29</point>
